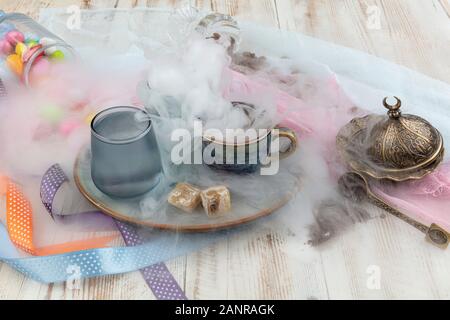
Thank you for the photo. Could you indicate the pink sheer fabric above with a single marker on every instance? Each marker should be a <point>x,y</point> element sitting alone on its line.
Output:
<point>435,185</point>
<point>322,118</point>
<point>289,107</point>
<point>426,200</point>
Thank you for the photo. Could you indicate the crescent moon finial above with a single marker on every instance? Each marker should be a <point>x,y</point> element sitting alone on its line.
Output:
<point>394,110</point>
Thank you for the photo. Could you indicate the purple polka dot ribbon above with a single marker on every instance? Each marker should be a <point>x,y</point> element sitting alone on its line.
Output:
<point>158,277</point>
<point>52,180</point>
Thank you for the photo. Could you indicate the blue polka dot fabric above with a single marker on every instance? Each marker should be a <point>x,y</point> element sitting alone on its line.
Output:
<point>160,247</point>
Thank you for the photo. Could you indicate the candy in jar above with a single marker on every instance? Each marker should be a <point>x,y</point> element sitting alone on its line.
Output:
<point>26,45</point>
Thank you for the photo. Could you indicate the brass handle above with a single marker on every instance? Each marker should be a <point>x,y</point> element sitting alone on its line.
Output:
<point>292,136</point>
<point>438,236</point>
<point>352,181</point>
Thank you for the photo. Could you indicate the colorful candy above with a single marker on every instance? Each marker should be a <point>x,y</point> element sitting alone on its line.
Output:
<point>51,113</point>
<point>21,49</point>
<point>78,106</point>
<point>31,43</point>
<point>14,37</point>
<point>89,118</point>
<point>5,47</point>
<point>15,64</point>
<point>57,55</point>
<point>43,131</point>
<point>68,126</point>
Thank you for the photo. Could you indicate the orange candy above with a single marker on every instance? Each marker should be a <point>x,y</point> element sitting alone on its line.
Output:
<point>15,63</point>
<point>89,118</point>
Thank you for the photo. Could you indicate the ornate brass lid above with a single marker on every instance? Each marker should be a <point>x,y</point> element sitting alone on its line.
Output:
<point>396,147</point>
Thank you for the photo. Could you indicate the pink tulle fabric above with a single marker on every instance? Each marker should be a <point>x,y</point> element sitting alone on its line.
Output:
<point>323,118</point>
<point>289,107</point>
<point>435,185</point>
<point>426,200</point>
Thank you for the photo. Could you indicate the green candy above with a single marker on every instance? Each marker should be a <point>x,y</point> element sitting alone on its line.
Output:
<point>31,43</point>
<point>57,55</point>
<point>51,113</point>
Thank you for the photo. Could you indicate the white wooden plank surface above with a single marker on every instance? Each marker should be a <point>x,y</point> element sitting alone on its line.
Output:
<point>415,33</point>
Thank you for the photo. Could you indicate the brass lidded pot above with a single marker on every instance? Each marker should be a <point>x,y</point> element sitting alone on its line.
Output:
<point>397,147</point>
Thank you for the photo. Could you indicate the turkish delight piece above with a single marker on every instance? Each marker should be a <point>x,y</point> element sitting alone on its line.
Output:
<point>216,201</point>
<point>185,197</point>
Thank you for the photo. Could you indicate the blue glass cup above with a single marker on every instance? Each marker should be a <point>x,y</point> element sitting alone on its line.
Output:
<point>125,160</point>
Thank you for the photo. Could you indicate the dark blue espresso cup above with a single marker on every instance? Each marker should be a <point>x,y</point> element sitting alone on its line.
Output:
<point>125,157</point>
<point>251,153</point>
<point>249,156</point>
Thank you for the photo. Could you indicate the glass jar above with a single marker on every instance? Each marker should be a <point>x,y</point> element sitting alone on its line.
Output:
<point>28,49</point>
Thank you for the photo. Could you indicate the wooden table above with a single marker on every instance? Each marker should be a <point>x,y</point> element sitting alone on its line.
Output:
<point>414,33</point>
